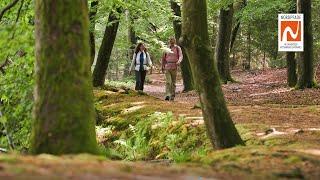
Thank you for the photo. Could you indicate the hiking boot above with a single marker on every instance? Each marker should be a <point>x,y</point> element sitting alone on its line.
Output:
<point>167,98</point>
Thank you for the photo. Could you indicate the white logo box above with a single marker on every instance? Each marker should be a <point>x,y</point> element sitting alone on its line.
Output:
<point>286,33</point>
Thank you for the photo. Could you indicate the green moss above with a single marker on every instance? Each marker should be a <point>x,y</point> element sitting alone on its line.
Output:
<point>8,159</point>
<point>247,132</point>
<point>293,159</point>
<point>126,168</point>
<point>295,173</point>
<point>302,84</point>
<point>89,157</point>
<point>224,156</point>
<point>278,141</point>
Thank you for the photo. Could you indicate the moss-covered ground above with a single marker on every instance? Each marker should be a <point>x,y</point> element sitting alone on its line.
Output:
<point>160,131</point>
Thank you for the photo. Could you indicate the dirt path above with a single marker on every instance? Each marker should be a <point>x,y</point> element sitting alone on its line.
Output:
<point>156,86</point>
<point>252,88</point>
<point>257,97</point>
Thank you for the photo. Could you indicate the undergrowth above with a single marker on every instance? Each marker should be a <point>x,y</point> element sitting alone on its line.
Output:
<point>161,136</point>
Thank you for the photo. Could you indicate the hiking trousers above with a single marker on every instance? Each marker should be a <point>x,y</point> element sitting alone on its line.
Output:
<point>171,76</point>
<point>140,78</point>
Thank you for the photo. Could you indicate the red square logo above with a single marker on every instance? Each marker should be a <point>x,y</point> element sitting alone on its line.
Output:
<point>291,31</point>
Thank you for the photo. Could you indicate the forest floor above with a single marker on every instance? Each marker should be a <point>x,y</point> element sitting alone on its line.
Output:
<point>280,125</point>
<point>257,97</point>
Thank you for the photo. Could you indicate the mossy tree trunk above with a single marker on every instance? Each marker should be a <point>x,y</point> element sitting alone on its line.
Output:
<point>100,69</point>
<point>185,64</point>
<point>305,61</point>
<point>63,110</point>
<point>222,54</point>
<point>92,17</point>
<point>220,127</point>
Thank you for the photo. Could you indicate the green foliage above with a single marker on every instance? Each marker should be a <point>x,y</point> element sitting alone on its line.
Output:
<point>17,45</point>
<point>18,101</point>
<point>125,83</point>
<point>316,27</point>
<point>152,25</point>
<point>161,136</point>
<point>260,19</point>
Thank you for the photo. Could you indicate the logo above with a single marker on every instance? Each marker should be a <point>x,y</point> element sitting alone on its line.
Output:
<point>290,32</point>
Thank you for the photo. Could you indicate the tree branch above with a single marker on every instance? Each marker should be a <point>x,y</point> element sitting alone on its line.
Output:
<point>234,34</point>
<point>17,18</point>
<point>8,7</point>
<point>237,27</point>
<point>19,12</point>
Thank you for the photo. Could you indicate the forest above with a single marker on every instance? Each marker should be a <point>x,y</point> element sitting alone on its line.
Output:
<point>159,89</point>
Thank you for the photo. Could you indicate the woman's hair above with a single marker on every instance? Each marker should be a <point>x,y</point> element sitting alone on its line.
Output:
<point>138,48</point>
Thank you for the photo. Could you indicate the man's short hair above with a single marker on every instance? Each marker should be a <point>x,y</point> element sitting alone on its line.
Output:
<point>172,38</point>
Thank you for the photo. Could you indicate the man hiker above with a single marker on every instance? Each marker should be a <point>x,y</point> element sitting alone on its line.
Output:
<point>170,63</point>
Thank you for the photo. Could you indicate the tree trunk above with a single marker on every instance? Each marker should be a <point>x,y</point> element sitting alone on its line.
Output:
<point>234,34</point>
<point>100,69</point>
<point>92,17</point>
<point>132,38</point>
<point>247,64</point>
<point>237,26</point>
<point>185,64</point>
<point>220,127</point>
<point>305,63</point>
<point>117,70</point>
<point>291,61</point>
<point>63,110</point>
<point>264,61</point>
<point>291,69</point>
<point>222,54</point>
<point>214,36</point>
<point>233,61</point>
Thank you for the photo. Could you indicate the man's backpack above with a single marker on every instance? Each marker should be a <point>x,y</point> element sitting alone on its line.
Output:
<point>177,50</point>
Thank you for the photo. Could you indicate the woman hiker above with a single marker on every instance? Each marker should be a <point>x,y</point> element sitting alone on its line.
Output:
<point>141,63</point>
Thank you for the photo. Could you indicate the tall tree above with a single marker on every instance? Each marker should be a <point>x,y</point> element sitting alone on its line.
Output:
<point>100,69</point>
<point>92,17</point>
<point>247,62</point>
<point>237,26</point>
<point>291,69</point>
<point>185,64</point>
<point>222,54</point>
<point>305,62</point>
<point>132,39</point>
<point>220,127</point>
<point>63,110</point>
<point>291,61</point>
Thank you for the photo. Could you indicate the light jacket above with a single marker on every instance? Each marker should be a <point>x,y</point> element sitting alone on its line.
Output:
<point>147,63</point>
